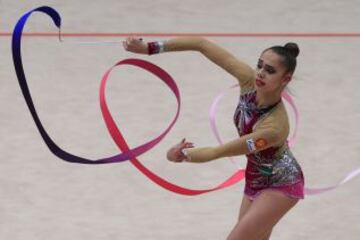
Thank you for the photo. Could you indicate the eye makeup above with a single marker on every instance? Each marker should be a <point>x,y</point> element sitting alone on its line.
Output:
<point>270,69</point>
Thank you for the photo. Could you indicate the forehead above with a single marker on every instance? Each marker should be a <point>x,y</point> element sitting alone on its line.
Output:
<point>271,58</point>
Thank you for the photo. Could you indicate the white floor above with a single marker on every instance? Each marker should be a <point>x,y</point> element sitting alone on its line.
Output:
<point>42,197</point>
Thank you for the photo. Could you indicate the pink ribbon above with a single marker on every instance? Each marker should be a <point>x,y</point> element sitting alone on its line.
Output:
<point>121,143</point>
<point>127,153</point>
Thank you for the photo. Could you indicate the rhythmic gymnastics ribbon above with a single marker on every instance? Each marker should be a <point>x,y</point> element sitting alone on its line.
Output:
<point>54,148</point>
<point>291,140</point>
<point>127,153</point>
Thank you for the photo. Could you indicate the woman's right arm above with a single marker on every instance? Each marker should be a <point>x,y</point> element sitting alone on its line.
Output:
<point>218,55</point>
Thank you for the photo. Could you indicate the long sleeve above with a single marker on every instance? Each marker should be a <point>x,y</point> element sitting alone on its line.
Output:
<point>218,55</point>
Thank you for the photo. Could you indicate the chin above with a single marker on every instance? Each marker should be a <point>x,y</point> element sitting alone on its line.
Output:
<point>260,89</point>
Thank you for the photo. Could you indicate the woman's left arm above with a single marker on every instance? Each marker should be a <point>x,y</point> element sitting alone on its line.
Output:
<point>247,144</point>
<point>271,132</point>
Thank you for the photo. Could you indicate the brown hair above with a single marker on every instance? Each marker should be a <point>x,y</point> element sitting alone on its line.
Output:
<point>288,52</point>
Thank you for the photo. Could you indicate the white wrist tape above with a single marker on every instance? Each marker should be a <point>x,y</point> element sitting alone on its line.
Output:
<point>161,46</point>
<point>185,152</point>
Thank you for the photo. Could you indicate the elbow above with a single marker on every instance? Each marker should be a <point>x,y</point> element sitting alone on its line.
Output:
<point>201,44</point>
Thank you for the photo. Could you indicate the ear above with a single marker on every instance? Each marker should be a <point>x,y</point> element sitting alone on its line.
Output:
<point>286,79</point>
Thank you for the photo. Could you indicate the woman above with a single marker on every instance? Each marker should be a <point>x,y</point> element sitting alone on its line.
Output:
<point>274,180</point>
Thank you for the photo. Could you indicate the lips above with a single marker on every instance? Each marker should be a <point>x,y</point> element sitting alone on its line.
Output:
<point>260,83</point>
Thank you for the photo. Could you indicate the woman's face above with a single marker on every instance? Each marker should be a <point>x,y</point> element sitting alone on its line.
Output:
<point>271,74</point>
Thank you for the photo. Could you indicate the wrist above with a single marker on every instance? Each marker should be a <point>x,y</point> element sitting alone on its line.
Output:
<point>201,155</point>
<point>186,155</point>
<point>156,47</point>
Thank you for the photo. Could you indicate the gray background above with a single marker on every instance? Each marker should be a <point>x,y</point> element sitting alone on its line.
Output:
<point>42,197</point>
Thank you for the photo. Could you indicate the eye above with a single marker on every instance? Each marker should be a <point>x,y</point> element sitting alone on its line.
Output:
<point>270,70</point>
<point>259,65</point>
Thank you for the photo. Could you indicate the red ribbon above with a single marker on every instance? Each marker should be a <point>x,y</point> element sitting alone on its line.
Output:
<point>121,143</point>
<point>127,153</point>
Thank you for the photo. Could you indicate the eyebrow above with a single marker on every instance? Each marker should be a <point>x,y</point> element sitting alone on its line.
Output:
<point>269,66</point>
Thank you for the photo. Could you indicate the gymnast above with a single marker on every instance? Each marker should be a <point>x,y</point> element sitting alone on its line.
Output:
<point>274,182</point>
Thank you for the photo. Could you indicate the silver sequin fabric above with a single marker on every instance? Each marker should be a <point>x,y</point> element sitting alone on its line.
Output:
<point>275,167</point>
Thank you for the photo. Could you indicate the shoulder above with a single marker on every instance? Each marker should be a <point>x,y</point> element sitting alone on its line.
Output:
<point>279,117</point>
<point>276,121</point>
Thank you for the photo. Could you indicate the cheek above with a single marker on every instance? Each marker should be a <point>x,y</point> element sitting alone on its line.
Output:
<point>273,82</point>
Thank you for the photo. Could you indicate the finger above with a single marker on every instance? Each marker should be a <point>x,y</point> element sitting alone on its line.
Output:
<point>134,39</point>
<point>185,145</point>
<point>182,146</point>
<point>176,159</point>
<point>124,43</point>
<point>189,145</point>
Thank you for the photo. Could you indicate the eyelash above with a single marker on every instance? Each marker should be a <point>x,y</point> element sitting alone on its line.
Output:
<point>270,71</point>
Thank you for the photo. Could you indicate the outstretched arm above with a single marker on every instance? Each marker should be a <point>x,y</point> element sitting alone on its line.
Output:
<point>246,144</point>
<point>218,55</point>
<point>273,131</point>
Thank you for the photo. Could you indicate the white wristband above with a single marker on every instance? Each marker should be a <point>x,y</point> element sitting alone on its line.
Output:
<point>161,46</point>
<point>185,152</point>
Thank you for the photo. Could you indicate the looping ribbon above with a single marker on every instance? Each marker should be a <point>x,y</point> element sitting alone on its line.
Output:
<point>54,148</point>
<point>127,153</point>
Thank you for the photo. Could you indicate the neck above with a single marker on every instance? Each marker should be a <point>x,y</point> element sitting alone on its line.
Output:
<point>265,99</point>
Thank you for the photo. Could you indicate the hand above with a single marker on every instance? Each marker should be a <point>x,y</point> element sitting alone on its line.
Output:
<point>175,153</point>
<point>135,45</point>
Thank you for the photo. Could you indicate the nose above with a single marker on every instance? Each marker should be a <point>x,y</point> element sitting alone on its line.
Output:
<point>260,73</point>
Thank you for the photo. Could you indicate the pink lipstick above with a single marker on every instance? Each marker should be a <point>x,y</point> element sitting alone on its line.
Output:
<point>260,83</point>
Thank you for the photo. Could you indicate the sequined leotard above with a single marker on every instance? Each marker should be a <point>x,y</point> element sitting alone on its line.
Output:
<point>263,132</point>
<point>273,168</point>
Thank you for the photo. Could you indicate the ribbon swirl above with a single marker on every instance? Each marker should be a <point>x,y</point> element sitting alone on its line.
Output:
<point>54,148</point>
<point>127,153</point>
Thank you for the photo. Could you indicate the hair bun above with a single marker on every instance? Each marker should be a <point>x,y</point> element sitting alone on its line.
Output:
<point>292,48</point>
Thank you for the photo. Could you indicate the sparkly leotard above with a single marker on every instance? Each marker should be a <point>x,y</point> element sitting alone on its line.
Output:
<point>273,168</point>
<point>263,131</point>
